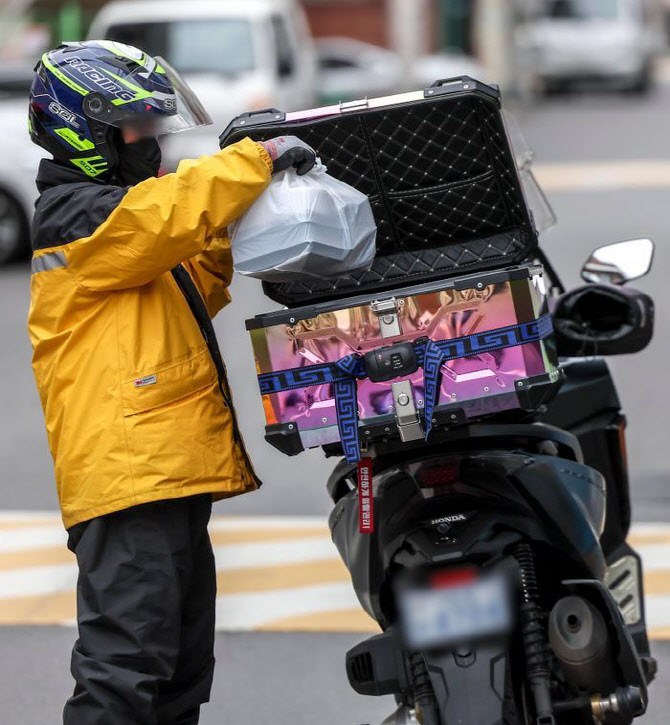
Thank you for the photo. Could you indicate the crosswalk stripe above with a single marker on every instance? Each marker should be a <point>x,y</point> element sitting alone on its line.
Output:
<point>50,608</point>
<point>34,537</point>
<point>657,582</point>
<point>35,557</point>
<point>27,518</point>
<point>657,611</point>
<point>647,528</point>
<point>637,540</point>
<point>271,553</point>
<point>250,610</point>
<point>269,534</point>
<point>37,580</point>
<point>22,524</point>
<point>244,523</point>
<point>261,578</point>
<point>273,573</point>
<point>344,620</point>
<point>655,557</point>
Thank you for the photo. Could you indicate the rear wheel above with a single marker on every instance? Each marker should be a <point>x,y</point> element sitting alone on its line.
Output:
<point>13,229</point>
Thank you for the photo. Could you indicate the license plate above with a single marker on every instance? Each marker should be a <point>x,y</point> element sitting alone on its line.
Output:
<point>440,616</point>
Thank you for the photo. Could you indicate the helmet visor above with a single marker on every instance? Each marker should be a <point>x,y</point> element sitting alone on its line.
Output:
<point>165,113</point>
<point>190,113</point>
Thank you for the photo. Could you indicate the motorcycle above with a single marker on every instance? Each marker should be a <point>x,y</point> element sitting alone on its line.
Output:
<point>482,504</point>
<point>499,570</point>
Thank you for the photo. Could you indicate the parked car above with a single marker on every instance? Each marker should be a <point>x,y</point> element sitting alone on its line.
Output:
<point>350,69</point>
<point>20,159</point>
<point>429,68</point>
<point>237,56</point>
<point>613,41</point>
<point>15,79</point>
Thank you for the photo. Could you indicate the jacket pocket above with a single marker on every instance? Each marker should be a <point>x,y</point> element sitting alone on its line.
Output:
<point>167,384</point>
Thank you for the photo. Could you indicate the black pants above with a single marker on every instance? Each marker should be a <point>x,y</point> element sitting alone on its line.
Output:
<point>145,608</point>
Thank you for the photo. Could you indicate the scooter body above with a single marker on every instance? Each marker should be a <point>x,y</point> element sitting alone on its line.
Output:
<point>487,487</point>
<point>516,498</point>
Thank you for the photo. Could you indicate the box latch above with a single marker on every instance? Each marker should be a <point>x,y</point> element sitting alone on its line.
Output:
<point>406,414</point>
<point>387,312</point>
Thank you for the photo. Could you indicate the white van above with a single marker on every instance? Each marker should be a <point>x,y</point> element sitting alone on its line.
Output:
<point>237,56</point>
<point>601,40</point>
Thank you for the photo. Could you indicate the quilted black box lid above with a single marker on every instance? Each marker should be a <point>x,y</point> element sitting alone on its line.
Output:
<point>440,174</point>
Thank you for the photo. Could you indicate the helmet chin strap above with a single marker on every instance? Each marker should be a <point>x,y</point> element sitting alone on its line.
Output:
<point>137,161</point>
<point>106,145</point>
<point>129,163</point>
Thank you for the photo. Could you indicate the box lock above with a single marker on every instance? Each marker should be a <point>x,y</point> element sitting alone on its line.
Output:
<point>392,361</point>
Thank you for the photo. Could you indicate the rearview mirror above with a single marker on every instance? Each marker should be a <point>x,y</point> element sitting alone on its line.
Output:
<point>620,262</point>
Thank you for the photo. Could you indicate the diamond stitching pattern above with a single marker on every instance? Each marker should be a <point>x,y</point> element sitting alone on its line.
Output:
<point>406,268</point>
<point>443,191</point>
<point>426,149</point>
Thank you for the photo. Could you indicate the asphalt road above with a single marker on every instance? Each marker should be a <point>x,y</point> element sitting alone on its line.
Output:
<point>268,678</point>
<point>299,678</point>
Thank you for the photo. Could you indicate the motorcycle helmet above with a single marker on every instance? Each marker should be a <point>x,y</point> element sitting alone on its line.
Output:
<point>86,96</point>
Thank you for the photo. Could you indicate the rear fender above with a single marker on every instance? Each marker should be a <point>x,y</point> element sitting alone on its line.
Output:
<point>469,683</point>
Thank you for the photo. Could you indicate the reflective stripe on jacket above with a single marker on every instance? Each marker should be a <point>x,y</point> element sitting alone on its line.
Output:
<point>123,287</point>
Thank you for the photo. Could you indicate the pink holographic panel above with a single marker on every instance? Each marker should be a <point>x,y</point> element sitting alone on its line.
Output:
<point>440,315</point>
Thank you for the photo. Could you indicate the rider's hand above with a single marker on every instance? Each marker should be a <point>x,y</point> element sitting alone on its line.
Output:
<point>286,151</point>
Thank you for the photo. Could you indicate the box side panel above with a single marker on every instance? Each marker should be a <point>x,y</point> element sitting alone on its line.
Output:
<point>478,384</point>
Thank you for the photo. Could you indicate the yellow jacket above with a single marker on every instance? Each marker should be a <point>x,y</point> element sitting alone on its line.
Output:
<point>124,285</point>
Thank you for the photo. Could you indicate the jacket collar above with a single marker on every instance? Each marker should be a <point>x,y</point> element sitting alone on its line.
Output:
<point>53,173</point>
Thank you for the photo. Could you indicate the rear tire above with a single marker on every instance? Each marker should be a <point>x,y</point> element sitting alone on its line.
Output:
<point>13,229</point>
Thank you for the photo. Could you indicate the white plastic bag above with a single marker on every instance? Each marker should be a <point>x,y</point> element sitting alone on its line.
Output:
<point>305,226</point>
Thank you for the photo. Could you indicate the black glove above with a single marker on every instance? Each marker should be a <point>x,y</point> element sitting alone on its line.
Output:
<point>287,151</point>
<point>602,319</point>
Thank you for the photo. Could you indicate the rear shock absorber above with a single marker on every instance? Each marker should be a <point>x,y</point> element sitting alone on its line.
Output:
<point>424,697</point>
<point>535,643</point>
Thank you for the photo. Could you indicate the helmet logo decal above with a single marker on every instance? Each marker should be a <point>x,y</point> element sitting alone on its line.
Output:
<point>63,113</point>
<point>68,135</point>
<point>92,165</point>
<point>101,80</point>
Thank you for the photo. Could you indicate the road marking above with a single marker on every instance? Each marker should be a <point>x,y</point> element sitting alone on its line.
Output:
<point>344,620</point>
<point>267,534</point>
<point>242,556</point>
<point>273,574</point>
<point>655,557</point>
<point>603,176</point>
<point>37,580</point>
<point>46,556</point>
<point>33,537</point>
<point>254,610</point>
<point>257,579</point>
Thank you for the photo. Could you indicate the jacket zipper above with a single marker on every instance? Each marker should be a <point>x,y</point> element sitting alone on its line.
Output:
<point>199,311</point>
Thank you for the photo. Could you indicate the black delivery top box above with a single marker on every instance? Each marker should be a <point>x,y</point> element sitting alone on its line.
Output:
<point>440,174</point>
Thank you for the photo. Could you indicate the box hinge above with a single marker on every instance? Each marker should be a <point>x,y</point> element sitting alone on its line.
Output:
<point>406,414</point>
<point>387,312</point>
<point>358,105</point>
